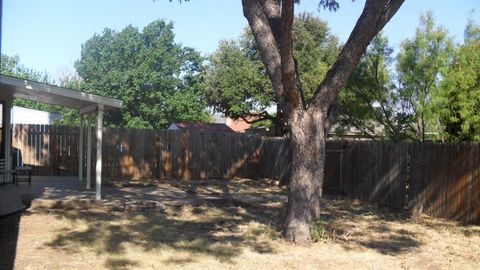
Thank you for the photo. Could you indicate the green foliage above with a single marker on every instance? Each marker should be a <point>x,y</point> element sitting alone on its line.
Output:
<point>315,50</point>
<point>318,230</point>
<point>472,31</point>
<point>368,101</point>
<point>458,100</point>
<point>158,80</point>
<point>421,64</point>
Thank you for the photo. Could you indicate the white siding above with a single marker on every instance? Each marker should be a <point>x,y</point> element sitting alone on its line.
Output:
<point>30,116</point>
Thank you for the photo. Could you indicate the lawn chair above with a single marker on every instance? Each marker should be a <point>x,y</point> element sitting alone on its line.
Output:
<point>21,173</point>
<point>4,173</point>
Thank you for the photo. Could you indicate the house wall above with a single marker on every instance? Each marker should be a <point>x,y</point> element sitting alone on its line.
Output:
<point>30,116</point>
<point>237,125</point>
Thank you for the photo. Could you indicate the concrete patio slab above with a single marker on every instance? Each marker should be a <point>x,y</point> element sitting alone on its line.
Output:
<point>68,192</point>
<point>51,191</point>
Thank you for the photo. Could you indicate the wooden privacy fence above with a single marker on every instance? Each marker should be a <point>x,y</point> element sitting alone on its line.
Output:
<point>49,149</point>
<point>165,154</point>
<point>140,153</point>
<point>365,170</point>
<point>445,180</point>
<point>439,179</point>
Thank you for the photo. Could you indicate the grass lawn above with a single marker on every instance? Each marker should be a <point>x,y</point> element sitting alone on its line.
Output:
<point>240,234</point>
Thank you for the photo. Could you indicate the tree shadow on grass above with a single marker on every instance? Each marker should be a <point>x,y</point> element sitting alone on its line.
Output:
<point>369,226</point>
<point>220,229</point>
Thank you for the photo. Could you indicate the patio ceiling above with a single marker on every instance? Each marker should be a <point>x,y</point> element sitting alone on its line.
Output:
<point>55,95</point>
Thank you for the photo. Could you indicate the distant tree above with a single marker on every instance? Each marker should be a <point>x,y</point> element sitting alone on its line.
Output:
<point>458,99</point>
<point>158,80</point>
<point>238,83</point>
<point>369,100</point>
<point>421,63</point>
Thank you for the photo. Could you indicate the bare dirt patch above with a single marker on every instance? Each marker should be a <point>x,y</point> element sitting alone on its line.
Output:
<point>237,232</point>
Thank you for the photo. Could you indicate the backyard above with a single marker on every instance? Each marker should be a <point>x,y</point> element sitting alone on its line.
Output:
<point>232,224</point>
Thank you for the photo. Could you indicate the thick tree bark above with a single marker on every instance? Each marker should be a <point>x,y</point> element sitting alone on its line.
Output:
<point>308,125</point>
<point>305,189</point>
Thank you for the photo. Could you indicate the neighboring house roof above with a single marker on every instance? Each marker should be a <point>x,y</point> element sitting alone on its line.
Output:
<point>206,127</point>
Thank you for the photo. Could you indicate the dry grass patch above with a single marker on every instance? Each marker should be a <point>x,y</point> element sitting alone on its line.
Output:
<point>233,234</point>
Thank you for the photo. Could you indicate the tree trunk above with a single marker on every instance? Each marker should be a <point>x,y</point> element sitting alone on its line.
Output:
<point>305,190</point>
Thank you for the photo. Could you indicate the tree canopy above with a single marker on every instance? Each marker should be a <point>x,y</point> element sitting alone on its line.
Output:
<point>158,80</point>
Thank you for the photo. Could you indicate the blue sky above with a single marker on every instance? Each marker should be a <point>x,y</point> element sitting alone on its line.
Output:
<point>47,34</point>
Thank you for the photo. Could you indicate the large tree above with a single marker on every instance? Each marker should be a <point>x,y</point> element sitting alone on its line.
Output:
<point>271,23</point>
<point>157,79</point>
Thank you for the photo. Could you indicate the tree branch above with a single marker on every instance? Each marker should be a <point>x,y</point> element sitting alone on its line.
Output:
<point>257,117</point>
<point>375,15</point>
<point>293,99</point>
<point>299,85</point>
<point>266,42</point>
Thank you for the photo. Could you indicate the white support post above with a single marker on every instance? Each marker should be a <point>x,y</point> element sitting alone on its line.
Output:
<point>98,177</point>
<point>89,150</point>
<point>8,135</point>
<point>80,149</point>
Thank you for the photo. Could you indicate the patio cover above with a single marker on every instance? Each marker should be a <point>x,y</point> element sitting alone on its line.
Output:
<point>85,103</point>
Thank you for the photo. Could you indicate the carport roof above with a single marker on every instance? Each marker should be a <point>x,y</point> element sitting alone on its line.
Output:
<point>54,94</point>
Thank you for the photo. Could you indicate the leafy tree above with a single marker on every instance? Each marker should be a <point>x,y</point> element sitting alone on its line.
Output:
<point>238,83</point>
<point>421,63</point>
<point>158,80</point>
<point>271,22</point>
<point>458,99</point>
<point>369,100</point>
